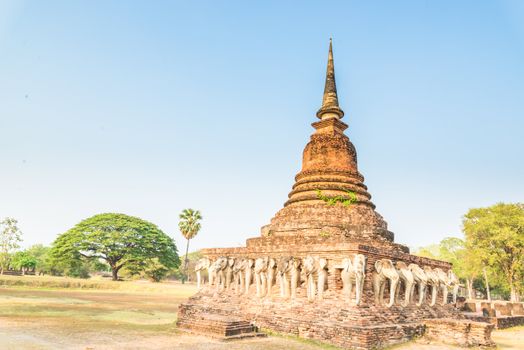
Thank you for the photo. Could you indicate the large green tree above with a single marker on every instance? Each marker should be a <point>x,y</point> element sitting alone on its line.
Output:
<point>189,225</point>
<point>41,255</point>
<point>23,261</point>
<point>10,237</point>
<point>118,239</point>
<point>495,236</point>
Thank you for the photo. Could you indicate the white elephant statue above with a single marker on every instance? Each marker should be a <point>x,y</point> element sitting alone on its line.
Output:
<point>219,266</point>
<point>322,277</point>
<point>211,273</point>
<point>260,275</point>
<point>433,282</point>
<point>238,276</point>
<point>296,267</point>
<point>315,267</point>
<point>201,264</point>
<point>454,283</point>
<point>421,280</point>
<point>271,272</point>
<point>248,274</point>
<point>229,272</point>
<point>353,271</point>
<point>384,270</point>
<point>443,284</point>
<point>406,278</point>
<point>284,266</point>
<point>310,269</point>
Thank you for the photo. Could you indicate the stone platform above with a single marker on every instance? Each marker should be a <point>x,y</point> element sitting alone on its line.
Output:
<point>332,320</point>
<point>502,314</point>
<point>459,332</point>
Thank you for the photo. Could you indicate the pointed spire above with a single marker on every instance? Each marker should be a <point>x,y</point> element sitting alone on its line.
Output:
<point>330,108</point>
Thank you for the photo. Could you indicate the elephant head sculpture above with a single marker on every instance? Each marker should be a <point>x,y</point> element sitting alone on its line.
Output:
<point>284,266</point>
<point>211,273</point>
<point>420,279</point>
<point>353,270</point>
<point>238,275</point>
<point>219,266</point>
<point>296,267</point>
<point>454,283</point>
<point>407,279</point>
<point>322,275</point>
<point>315,267</point>
<point>271,270</point>
<point>443,284</point>
<point>260,275</point>
<point>248,272</point>
<point>433,282</point>
<point>229,272</point>
<point>310,269</point>
<point>384,271</point>
<point>201,265</point>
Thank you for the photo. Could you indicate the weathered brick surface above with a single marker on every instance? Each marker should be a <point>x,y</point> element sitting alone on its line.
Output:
<point>508,321</point>
<point>459,332</point>
<point>216,325</point>
<point>470,306</point>
<point>517,309</point>
<point>502,314</point>
<point>333,320</point>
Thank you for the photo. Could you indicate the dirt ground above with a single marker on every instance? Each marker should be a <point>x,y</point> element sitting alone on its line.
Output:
<point>91,319</point>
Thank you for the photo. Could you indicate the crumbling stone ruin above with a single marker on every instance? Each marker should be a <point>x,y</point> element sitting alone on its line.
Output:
<point>326,266</point>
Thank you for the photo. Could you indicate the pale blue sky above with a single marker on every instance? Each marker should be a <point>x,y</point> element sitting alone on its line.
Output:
<point>150,107</point>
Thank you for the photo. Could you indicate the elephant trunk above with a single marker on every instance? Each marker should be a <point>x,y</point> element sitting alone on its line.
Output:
<point>444,294</point>
<point>433,295</point>
<point>392,289</point>
<point>421,293</point>
<point>407,295</point>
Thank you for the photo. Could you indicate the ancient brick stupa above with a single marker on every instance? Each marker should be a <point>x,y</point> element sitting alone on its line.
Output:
<point>326,266</point>
<point>329,169</point>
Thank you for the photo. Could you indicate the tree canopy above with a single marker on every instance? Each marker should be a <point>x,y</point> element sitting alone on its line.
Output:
<point>189,226</point>
<point>496,236</point>
<point>494,243</point>
<point>24,261</point>
<point>10,237</point>
<point>118,239</point>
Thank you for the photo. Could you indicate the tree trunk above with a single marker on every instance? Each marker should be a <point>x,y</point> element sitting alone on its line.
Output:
<point>514,298</point>
<point>469,286</point>
<point>184,275</point>
<point>488,294</point>
<point>115,273</point>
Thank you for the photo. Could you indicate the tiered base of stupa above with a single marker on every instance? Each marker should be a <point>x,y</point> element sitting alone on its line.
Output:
<point>331,320</point>
<point>334,319</point>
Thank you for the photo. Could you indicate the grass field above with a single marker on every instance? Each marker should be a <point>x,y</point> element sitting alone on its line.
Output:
<point>61,313</point>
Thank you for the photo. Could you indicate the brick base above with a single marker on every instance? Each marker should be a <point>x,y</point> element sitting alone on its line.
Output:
<point>218,326</point>
<point>459,332</point>
<point>332,320</point>
<point>500,322</point>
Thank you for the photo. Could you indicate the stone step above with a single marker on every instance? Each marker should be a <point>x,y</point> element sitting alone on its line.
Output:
<point>220,326</point>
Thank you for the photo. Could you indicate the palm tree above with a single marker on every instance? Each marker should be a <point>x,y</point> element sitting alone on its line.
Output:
<point>189,225</point>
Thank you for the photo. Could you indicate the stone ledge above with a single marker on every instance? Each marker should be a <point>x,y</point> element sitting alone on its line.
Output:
<point>218,326</point>
<point>500,322</point>
<point>465,333</point>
